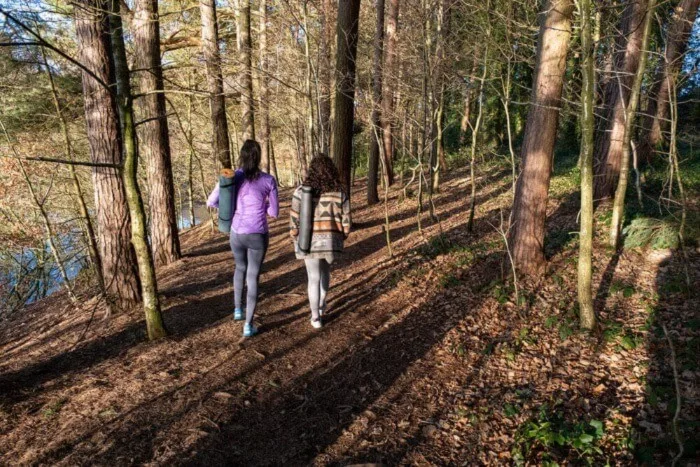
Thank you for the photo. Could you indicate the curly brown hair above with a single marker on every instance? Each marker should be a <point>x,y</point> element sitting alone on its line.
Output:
<point>323,175</point>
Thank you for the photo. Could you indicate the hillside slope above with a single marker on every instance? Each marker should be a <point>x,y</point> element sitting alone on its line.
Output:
<point>424,357</point>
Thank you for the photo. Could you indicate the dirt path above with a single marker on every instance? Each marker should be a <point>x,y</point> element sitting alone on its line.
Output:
<point>418,356</point>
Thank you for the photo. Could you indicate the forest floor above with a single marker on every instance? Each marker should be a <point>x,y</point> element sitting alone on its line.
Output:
<point>424,357</point>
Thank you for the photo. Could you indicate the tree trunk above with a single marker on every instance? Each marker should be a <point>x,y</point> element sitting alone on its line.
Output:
<point>585,291</point>
<point>630,113</point>
<point>264,90</point>
<point>273,162</point>
<point>139,235</point>
<point>389,84</point>
<point>347,32</point>
<point>155,137</point>
<point>311,130</point>
<point>217,103</point>
<point>657,113</point>
<point>375,133</point>
<point>531,192</point>
<point>465,123</point>
<point>325,73</point>
<point>246,76</point>
<point>609,145</point>
<point>439,120</point>
<point>475,139</point>
<point>112,213</point>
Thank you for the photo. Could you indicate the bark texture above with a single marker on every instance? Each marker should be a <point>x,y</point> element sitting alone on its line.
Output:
<point>215,83</point>
<point>155,139</point>
<point>347,32</point>
<point>112,214</point>
<point>609,142</point>
<point>531,193</point>
<point>585,290</point>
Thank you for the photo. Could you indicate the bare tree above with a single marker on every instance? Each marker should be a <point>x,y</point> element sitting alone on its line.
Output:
<point>656,120</point>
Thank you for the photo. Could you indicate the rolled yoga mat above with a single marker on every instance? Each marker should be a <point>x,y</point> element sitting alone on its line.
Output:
<point>227,199</point>
<point>306,219</point>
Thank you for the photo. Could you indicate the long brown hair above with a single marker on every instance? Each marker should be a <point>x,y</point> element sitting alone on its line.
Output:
<point>323,175</point>
<point>249,159</point>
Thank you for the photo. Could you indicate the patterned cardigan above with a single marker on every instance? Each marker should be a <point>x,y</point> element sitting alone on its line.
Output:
<point>330,227</point>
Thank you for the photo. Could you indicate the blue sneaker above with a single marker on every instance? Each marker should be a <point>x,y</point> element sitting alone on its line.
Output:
<point>249,330</point>
<point>238,315</point>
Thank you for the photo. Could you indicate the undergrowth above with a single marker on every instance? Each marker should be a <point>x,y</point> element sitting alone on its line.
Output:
<point>548,437</point>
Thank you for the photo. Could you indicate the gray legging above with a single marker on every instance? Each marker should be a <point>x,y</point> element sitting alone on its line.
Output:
<point>319,272</point>
<point>249,252</point>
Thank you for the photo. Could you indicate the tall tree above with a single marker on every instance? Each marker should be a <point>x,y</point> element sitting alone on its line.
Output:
<point>215,82</point>
<point>375,134</point>
<point>609,142</point>
<point>246,75</point>
<point>112,213</point>
<point>325,74</point>
<point>264,90</point>
<point>139,235</point>
<point>465,122</point>
<point>443,30</point>
<point>585,292</point>
<point>657,112</point>
<point>389,84</point>
<point>630,113</point>
<point>312,140</point>
<point>347,32</point>
<point>155,138</point>
<point>531,192</point>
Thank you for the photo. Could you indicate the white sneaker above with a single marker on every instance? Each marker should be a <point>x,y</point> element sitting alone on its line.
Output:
<point>316,323</point>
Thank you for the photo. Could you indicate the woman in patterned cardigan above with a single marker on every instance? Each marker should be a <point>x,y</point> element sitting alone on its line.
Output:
<point>331,226</point>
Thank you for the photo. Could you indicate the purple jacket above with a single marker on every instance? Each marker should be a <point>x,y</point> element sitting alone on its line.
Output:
<point>256,200</point>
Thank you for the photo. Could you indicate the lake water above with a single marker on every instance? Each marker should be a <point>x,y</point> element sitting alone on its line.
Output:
<point>39,275</point>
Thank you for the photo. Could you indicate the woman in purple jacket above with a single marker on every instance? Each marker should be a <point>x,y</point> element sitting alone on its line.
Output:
<point>257,199</point>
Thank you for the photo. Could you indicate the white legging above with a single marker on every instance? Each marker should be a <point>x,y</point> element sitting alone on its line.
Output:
<point>319,272</point>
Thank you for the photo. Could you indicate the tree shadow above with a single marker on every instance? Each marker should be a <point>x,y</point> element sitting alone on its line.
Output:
<point>333,393</point>
<point>332,397</point>
<point>606,281</point>
<point>678,310</point>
